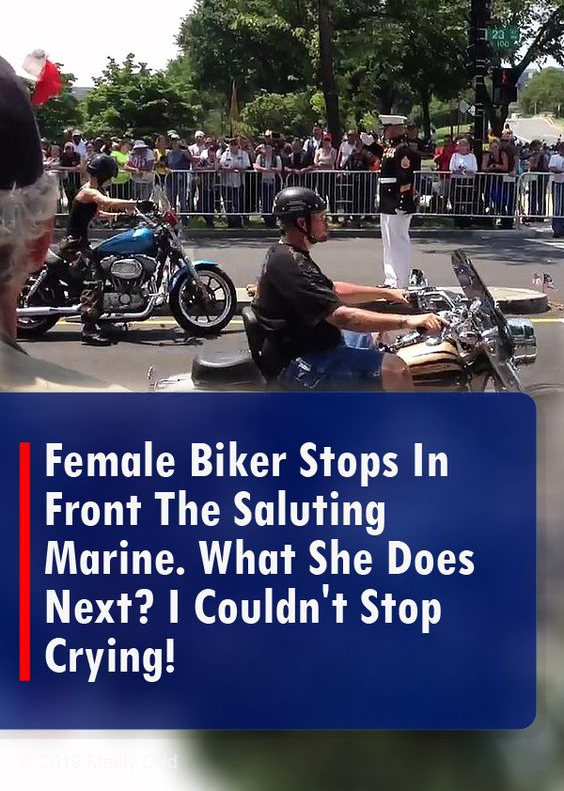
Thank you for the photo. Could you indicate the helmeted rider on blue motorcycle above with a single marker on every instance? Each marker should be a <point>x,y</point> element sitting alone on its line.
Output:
<point>315,335</point>
<point>91,201</point>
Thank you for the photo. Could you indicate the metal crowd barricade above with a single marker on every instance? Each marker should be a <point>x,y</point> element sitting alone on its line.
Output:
<point>233,196</point>
<point>465,195</point>
<point>541,196</point>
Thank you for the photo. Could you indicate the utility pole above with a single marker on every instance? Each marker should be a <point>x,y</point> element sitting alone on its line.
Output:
<point>479,18</point>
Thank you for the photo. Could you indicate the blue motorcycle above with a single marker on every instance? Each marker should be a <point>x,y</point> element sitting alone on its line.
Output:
<point>143,269</point>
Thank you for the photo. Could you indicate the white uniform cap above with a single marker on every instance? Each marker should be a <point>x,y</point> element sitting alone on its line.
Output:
<point>387,120</point>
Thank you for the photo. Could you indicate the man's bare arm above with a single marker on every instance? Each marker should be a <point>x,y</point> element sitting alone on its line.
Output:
<point>353,294</point>
<point>359,320</point>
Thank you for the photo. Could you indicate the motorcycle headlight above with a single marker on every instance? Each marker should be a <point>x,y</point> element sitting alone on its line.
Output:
<point>524,339</point>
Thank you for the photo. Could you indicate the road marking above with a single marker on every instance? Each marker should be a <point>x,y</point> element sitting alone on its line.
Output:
<point>164,322</point>
<point>550,243</point>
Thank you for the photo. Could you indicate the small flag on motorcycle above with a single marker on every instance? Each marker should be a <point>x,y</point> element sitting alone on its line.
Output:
<point>547,281</point>
<point>537,280</point>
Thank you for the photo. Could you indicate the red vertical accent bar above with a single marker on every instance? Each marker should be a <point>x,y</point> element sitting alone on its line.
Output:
<point>25,561</point>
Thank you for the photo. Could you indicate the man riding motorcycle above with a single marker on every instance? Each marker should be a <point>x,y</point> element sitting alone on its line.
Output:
<point>316,335</point>
<point>89,202</point>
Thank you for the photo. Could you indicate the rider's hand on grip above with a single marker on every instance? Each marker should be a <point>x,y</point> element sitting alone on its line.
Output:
<point>428,322</point>
<point>145,206</point>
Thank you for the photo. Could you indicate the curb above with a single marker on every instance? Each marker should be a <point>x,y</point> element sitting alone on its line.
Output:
<point>512,301</point>
<point>267,234</point>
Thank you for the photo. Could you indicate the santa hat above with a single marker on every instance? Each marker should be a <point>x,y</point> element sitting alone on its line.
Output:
<point>19,136</point>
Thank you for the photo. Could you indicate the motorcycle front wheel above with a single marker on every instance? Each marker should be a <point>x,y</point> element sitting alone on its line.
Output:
<point>206,314</point>
<point>46,295</point>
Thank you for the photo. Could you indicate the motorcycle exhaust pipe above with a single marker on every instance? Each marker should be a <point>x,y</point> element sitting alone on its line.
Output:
<point>74,310</point>
<point>131,316</point>
<point>45,310</point>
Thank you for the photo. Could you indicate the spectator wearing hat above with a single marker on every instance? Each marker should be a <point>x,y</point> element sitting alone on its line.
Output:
<point>314,142</point>
<point>179,162</point>
<point>196,150</point>
<point>141,165</point>
<point>209,201</point>
<point>324,166</point>
<point>233,164</point>
<point>78,143</point>
<point>269,165</point>
<point>397,200</point>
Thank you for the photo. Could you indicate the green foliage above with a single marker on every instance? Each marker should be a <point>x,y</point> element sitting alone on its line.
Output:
<point>291,114</point>
<point>60,112</point>
<point>131,99</point>
<point>544,92</point>
<point>259,44</point>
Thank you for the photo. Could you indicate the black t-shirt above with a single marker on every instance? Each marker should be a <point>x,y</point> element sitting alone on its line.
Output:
<point>293,300</point>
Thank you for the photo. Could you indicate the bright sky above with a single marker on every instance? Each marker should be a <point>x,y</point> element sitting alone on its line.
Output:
<point>147,29</point>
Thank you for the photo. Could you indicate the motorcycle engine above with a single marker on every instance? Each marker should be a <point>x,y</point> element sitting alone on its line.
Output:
<point>126,277</point>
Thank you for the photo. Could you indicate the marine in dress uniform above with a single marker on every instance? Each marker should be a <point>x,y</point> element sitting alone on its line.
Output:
<point>397,200</point>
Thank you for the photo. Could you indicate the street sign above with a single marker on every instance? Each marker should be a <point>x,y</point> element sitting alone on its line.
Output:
<point>463,106</point>
<point>503,37</point>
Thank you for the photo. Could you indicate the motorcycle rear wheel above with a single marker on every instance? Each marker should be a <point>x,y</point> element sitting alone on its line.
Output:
<point>35,327</point>
<point>196,318</point>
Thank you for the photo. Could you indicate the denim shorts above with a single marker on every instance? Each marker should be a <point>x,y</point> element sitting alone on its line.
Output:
<point>353,365</point>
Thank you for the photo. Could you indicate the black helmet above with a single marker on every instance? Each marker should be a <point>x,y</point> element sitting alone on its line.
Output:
<point>295,202</point>
<point>103,167</point>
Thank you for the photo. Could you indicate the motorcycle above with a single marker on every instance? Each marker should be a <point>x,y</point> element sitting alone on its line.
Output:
<point>143,268</point>
<point>478,350</point>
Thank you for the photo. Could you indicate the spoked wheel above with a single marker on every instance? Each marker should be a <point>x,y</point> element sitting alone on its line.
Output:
<point>204,311</point>
<point>36,326</point>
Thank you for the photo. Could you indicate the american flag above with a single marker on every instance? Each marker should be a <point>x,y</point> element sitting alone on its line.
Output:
<point>547,281</point>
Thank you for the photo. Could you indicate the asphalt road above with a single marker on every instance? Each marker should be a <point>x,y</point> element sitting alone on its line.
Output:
<point>536,127</point>
<point>503,259</point>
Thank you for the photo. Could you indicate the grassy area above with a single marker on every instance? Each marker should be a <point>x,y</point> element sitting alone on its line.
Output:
<point>443,131</point>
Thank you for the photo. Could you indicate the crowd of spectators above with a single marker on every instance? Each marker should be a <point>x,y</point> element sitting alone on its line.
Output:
<point>239,177</point>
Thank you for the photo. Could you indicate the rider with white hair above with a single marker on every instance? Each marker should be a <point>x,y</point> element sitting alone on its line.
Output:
<point>28,202</point>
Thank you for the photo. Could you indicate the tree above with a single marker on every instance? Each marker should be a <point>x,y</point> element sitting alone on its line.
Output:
<point>291,114</point>
<point>542,34</point>
<point>259,44</point>
<point>544,92</point>
<point>131,99</point>
<point>60,112</point>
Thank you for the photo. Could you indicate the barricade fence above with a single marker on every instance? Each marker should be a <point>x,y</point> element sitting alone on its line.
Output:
<point>235,195</point>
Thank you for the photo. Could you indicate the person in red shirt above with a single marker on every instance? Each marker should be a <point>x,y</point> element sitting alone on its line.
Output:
<point>444,153</point>
<point>441,159</point>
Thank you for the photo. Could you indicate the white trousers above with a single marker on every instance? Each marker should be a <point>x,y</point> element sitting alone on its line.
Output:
<point>397,249</point>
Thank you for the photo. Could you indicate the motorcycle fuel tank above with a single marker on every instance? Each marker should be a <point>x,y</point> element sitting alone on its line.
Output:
<point>139,240</point>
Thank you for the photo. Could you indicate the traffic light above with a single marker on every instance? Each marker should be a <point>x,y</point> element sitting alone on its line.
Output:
<point>504,83</point>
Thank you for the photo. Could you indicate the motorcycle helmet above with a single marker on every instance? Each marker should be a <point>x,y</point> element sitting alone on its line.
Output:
<point>103,167</point>
<point>293,203</point>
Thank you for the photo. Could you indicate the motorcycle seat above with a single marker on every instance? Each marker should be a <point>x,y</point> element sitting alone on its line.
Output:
<point>224,369</point>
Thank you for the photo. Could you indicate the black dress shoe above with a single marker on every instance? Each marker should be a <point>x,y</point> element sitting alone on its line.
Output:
<point>94,338</point>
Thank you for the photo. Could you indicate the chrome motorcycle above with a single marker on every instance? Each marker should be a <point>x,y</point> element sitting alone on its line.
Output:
<point>479,349</point>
